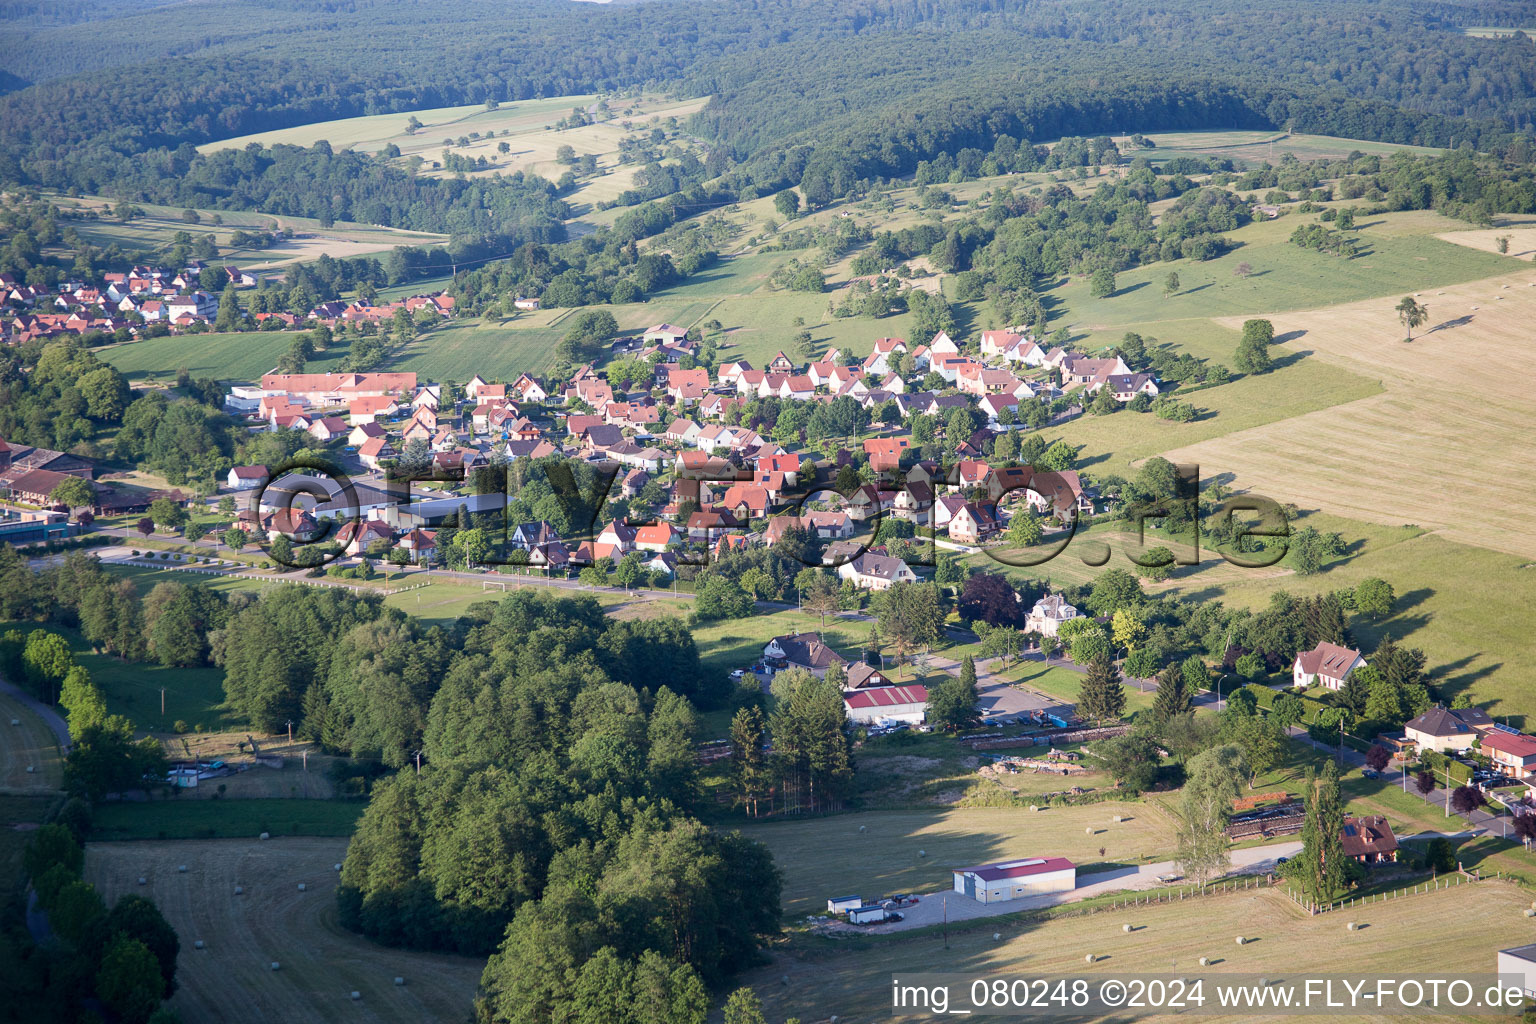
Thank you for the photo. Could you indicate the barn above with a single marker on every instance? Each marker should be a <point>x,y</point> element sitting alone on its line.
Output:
<point>1520,961</point>
<point>887,703</point>
<point>1012,879</point>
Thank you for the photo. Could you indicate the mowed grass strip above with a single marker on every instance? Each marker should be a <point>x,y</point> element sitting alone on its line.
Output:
<point>879,853</point>
<point>224,819</point>
<point>852,978</point>
<point>231,978</point>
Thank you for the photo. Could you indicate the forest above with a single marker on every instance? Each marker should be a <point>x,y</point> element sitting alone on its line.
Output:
<point>833,93</point>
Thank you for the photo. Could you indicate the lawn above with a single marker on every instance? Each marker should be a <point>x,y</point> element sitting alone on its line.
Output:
<point>877,853</point>
<point>133,689</point>
<point>28,744</point>
<point>224,819</point>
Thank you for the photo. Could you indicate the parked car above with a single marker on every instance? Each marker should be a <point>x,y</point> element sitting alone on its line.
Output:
<point>1370,773</point>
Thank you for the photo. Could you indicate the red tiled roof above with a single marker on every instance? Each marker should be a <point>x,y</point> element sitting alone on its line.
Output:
<point>888,696</point>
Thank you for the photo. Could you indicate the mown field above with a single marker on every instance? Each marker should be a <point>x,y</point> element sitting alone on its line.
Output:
<point>879,853</point>
<point>231,978</point>
<point>1258,147</point>
<point>192,818</point>
<point>231,357</point>
<point>851,978</point>
<point>28,743</point>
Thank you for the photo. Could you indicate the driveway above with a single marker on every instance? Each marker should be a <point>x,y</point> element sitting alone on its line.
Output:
<point>931,909</point>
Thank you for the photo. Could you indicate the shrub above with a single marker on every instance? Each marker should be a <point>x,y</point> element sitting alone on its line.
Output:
<point>179,726</point>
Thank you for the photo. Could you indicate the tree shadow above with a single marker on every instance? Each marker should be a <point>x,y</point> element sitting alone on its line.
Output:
<point>1290,359</point>
<point>1197,288</point>
<point>1288,336</point>
<point>1138,286</point>
<point>1460,321</point>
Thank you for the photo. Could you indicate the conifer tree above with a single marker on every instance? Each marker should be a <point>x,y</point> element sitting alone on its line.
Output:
<point>1102,697</point>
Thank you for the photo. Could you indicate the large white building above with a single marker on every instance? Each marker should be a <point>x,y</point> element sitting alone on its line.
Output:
<point>1521,962</point>
<point>1013,879</point>
<point>887,704</point>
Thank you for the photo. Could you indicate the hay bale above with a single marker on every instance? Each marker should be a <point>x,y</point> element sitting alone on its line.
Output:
<point>861,829</point>
<point>1205,961</point>
<point>15,721</point>
<point>239,890</point>
<point>301,887</point>
<point>1088,831</point>
<point>1530,913</point>
<point>1351,926</point>
<point>356,994</point>
<point>143,880</point>
<point>181,868</point>
<point>922,853</point>
<point>1033,808</point>
<point>1241,940</point>
<point>276,965</point>
<point>1090,958</point>
<point>338,867</point>
<point>265,835</point>
<point>399,980</point>
<point>1127,928</point>
<point>31,768</point>
<point>198,944</point>
<point>996,936</point>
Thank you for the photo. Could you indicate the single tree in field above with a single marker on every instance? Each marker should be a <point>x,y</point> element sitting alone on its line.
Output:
<point>1242,269</point>
<point>1412,314</point>
<point>821,598</point>
<point>1170,284</point>
<point>1424,782</point>
<point>1503,243</point>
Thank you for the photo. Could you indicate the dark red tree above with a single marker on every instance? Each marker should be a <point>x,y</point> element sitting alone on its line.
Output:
<point>988,597</point>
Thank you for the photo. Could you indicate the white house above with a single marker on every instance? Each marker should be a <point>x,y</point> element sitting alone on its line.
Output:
<point>876,572</point>
<point>887,704</point>
<point>1048,614</point>
<point>1012,879</point>
<point>246,478</point>
<point>1327,665</point>
<point>1438,729</point>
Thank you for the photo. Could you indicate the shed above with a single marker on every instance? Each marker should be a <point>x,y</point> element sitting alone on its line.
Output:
<point>871,914</point>
<point>1520,961</point>
<point>841,904</point>
<point>1010,880</point>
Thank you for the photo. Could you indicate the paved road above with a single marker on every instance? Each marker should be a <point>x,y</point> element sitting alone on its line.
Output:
<point>931,909</point>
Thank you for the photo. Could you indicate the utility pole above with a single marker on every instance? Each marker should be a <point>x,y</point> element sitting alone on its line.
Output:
<point>162,702</point>
<point>418,762</point>
<point>290,731</point>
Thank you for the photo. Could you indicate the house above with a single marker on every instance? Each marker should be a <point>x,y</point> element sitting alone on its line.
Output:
<point>1125,386</point>
<point>420,544</point>
<point>246,478</point>
<point>801,650</point>
<point>1514,751</point>
<point>780,363</point>
<point>1474,718</point>
<point>363,433</point>
<point>374,451</point>
<point>1439,729</point>
<point>973,523</point>
<point>978,380</point>
<point>1368,839</point>
<point>525,304</point>
<point>686,387</point>
<point>369,408</point>
<point>1013,879</point>
<point>746,501</point>
<point>528,390</point>
<point>326,389</point>
<point>870,571</point>
<point>328,428</point>
<point>887,704</point>
<point>1077,369</point>
<point>885,452</point>
<point>861,676</point>
<point>657,537</point>
<point>1048,614</point>
<point>664,562</point>
<point>357,536</point>
<point>1327,665</point>
<point>710,526</point>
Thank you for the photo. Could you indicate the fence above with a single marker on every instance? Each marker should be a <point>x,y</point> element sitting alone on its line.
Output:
<point>1450,881</point>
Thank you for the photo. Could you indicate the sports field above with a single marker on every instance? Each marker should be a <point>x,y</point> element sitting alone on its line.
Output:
<point>29,743</point>
<point>879,853</point>
<point>231,978</point>
<point>815,978</point>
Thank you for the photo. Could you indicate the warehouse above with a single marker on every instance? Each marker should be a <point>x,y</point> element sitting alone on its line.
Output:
<point>1012,879</point>
<point>1519,961</point>
<point>887,704</point>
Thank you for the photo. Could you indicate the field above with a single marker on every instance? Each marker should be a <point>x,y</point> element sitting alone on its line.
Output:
<point>160,224</point>
<point>1257,147</point>
<point>527,126</point>
<point>1454,399</point>
<point>876,853</point>
<point>231,978</point>
<point>191,818</point>
<point>852,978</point>
<point>32,743</point>
<point>236,357</point>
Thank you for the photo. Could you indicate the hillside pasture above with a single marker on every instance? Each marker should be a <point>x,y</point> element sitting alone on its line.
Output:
<point>877,853</point>
<point>236,357</point>
<point>159,225</point>
<point>813,978</point>
<point>1257,147</point>
<point>231,979</point>
<point>29,743</point>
